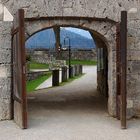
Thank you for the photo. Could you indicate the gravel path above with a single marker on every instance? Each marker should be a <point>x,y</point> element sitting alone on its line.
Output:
<point>72,112</point>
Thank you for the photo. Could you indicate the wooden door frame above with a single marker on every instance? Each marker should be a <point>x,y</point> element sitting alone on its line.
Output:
<point>122,60</point>
<point>18,30</point>
<point>123,49</point>
<point>121,70</point>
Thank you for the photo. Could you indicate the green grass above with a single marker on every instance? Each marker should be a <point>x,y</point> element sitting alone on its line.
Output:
<point>71,79</point>
<point>35,65</point>
<point>32,85</point>
<point>82,62</point>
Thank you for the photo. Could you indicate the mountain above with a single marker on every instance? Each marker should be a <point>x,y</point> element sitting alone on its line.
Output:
<point>46,39</point>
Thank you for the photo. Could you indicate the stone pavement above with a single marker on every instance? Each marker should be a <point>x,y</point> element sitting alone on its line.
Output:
<point>72,112</point>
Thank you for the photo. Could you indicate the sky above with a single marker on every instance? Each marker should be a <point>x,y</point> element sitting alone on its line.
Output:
<point>79,31</point>
<point>46,38</point>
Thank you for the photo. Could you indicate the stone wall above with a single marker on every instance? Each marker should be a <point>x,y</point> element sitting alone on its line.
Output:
<point>103,30</point>
<point>5,70</point>
<point>44,59</point>
<point>33,75</point>
<point>46,56</point>
<point>87,8</point>
<point>80,54</point>
<point>133,69</point>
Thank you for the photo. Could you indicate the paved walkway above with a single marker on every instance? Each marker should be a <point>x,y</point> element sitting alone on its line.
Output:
<point>37,70</point>
<point>45,84</point>
<point>72,112</point>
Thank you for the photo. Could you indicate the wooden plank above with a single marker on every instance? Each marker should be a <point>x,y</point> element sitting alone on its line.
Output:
<point>123,45</point>
<point>19,74</point>
<point>118,85</point>
<point>70,18</point>
<point>23,61</point>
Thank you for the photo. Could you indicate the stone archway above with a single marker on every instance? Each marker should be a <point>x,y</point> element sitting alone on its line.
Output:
<point>103,30</point>
<point>103,9</point>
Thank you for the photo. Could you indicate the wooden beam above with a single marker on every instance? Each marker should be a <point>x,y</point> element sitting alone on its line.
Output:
<point>90,19</point>
<point>118,71</point>
<point>123,43</point>
<point>57,38</point>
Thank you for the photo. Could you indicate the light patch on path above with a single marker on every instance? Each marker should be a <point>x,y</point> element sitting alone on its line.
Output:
<point>39,70</point>
<point>72,112</point>
<point>45,84</point>
<point>48,82</point>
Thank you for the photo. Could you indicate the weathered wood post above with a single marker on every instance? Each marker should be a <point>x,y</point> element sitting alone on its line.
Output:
<point>64,74</point>
<point>55,77</point>
<point>80,69</point>
<point>76,70</point>
<point>71,70</point>
<point>58,44</point>
<point>123,45</point>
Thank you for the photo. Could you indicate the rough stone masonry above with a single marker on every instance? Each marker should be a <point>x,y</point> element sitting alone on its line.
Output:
<point>86,8</point>
<point>5,70</point>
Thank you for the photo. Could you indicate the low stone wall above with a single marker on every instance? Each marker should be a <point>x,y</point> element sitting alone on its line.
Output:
<point>45,56</point>
<point>80,54</point>
<point>34,75</point>
<point>44,59</point>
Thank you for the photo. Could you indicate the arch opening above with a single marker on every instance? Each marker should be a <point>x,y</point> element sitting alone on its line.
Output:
<point>101,69</point>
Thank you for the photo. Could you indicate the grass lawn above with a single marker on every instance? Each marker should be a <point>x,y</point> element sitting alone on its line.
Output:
<point>82,62</point>
<point>35,65</point>
<point>32,85</point>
